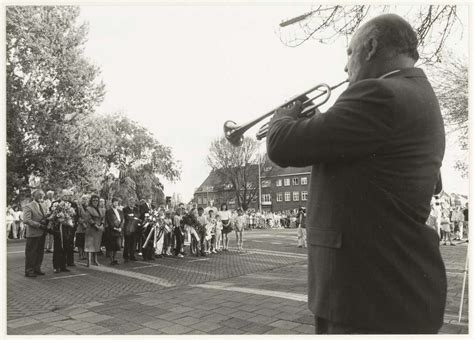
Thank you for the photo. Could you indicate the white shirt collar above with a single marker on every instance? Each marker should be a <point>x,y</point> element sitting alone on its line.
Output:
<point>388,74</point>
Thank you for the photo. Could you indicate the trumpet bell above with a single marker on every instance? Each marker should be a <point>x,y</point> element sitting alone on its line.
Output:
<point>235,133</point>
<point>236,138</point>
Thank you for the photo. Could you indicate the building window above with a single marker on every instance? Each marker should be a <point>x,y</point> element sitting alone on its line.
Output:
<point>295,181</point>
<point>287,196</point>
<point>278,183</point>
<point>304,195</point>
<point>286,182</point>
<point>266,198</point>
<point>279,197</point>
<point>304,180</point>
<point>266,183</point>
<point>199,200</point>
<point>296,196</point>
<point>204,200</point>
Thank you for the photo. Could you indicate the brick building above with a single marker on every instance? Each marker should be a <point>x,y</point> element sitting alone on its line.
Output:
<point>282,189</point>
<point>285,188</point>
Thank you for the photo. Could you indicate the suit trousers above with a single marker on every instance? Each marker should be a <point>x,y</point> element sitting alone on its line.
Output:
<point>69,246</point>
<point>324,326</point>
<point>34,251</point>
<point>59,252</point>
<point>179,241</point>
<point>49,241</point>
<point>130,246</point>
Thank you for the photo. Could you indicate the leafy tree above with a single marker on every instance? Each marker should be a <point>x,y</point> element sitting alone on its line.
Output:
<point>140,158</point>
<point>52,133</point>
<point>236,167</point>
<point>50,88</point>
<point>327,23</point>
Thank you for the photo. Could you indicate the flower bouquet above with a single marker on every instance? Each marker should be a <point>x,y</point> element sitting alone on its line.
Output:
<point>62,212</point>
<point>61,216</point>
<point>152,219</point>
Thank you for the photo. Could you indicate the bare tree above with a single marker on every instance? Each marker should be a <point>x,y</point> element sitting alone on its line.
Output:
<point>237,167</point>
<point>327,23</point>
<point>450,81</point>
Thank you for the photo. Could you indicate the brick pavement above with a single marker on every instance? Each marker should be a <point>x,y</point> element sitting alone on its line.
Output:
<point>219,294</point>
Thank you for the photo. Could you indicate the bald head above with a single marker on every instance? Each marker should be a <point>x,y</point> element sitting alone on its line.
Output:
<point>38,195</point>
<point>383,44</point>
<point>394,36</point>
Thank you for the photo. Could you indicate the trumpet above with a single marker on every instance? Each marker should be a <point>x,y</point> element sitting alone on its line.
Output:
<point>235,133</point>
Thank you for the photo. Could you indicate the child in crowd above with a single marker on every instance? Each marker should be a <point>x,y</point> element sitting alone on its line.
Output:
<point>225,216</point>
<point>217,244</point>
<point>168,228</point>
<point>301,218</point>
<point>446,227</point>
<point>240,224</point>
<point>178,232</point>
<point>211,233</point>
<point>201,230</point>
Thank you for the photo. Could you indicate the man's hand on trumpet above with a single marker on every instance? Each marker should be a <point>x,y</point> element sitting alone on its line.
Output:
<point>292,110</point>
<point>296,110</point>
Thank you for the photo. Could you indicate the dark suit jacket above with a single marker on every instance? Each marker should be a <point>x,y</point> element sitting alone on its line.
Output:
<point>111,222</point>
<point>131,216</point>
<point>376,155</point>
<point>144,208</point>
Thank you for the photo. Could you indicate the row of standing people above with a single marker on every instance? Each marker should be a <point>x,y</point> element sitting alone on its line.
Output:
<point>14,222</point>
<point>450,222</point>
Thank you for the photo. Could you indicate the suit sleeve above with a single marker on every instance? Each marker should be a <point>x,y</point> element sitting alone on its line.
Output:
<point>122,221</point>
<point>439,185</point>
<point>356,126</point>
<point>28,219</point>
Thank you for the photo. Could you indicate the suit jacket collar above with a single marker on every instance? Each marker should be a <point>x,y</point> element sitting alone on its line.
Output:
<point>35,206</point>
<point>410,72</point>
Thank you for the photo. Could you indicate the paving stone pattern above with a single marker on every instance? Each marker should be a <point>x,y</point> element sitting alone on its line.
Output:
<point>107,303</point>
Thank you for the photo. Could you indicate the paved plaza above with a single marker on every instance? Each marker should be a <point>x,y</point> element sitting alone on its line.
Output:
<point>261,290</point>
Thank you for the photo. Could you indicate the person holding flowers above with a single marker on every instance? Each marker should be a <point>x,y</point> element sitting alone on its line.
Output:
<point>61,225</point>
<point>94,230</point>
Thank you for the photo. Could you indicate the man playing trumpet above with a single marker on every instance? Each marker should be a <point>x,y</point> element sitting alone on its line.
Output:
<point>374,266</point>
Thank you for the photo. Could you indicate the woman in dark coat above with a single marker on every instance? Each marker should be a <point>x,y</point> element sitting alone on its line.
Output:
<point>114,222</point>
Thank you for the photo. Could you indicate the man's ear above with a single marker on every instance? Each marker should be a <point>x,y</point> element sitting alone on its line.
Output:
<point>371,46</point>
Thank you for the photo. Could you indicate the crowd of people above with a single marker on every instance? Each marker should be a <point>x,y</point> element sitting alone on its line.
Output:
<point>451,222</point>
<point>96,227</point>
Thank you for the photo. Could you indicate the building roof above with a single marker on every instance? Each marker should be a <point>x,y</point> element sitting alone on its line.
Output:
<point>276,170</point>
<point>268,170</point>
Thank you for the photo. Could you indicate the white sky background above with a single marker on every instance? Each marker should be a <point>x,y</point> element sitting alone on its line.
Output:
<point>182,71</point>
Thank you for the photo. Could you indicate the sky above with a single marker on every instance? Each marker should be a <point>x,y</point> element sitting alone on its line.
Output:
<point>183,70</point>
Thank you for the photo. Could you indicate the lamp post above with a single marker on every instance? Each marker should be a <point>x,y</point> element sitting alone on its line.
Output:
<point>259,187</point>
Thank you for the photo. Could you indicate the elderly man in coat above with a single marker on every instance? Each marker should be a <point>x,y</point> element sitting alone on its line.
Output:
<point>34,216</point>
<point>374,266</point>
